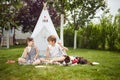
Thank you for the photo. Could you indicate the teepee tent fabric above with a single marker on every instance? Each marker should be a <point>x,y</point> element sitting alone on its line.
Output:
<point>42,30</point>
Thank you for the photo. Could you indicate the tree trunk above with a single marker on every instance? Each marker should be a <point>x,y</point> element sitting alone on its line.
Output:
<point>61,29</point>
<point>8,38</point>
<point>75,39</point>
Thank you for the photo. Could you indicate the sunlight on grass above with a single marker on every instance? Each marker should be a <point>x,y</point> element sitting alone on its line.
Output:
<point>109,68</point>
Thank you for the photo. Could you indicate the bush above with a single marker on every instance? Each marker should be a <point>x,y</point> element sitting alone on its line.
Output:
<point>94,37</point>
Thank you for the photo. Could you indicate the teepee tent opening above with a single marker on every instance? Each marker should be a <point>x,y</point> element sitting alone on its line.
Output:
<point>42,30</point>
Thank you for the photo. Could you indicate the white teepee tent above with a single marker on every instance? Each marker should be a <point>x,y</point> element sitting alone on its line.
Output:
<point>42,30</point>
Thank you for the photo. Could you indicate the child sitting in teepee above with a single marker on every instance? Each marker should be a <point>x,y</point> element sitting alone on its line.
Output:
<point>55,52</point>
<point>30,54</point>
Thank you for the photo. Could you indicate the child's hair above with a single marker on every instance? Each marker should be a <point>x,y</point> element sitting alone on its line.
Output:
<point>51,38</point>
<point>29,39</point>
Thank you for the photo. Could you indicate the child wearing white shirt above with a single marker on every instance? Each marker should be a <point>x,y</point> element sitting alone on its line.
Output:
<point>55,51</point>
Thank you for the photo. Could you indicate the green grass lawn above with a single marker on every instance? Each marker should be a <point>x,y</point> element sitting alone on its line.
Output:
<point>109,68</point>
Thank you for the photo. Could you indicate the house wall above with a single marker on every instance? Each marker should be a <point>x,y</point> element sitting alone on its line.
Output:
<point>20,37</point>
<point>4,37</point>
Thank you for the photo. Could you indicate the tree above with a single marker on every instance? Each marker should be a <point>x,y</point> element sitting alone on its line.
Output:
<point>62,6</point>
<point>29,14</point>
<point>83,11</point>
<point>8,9</point>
